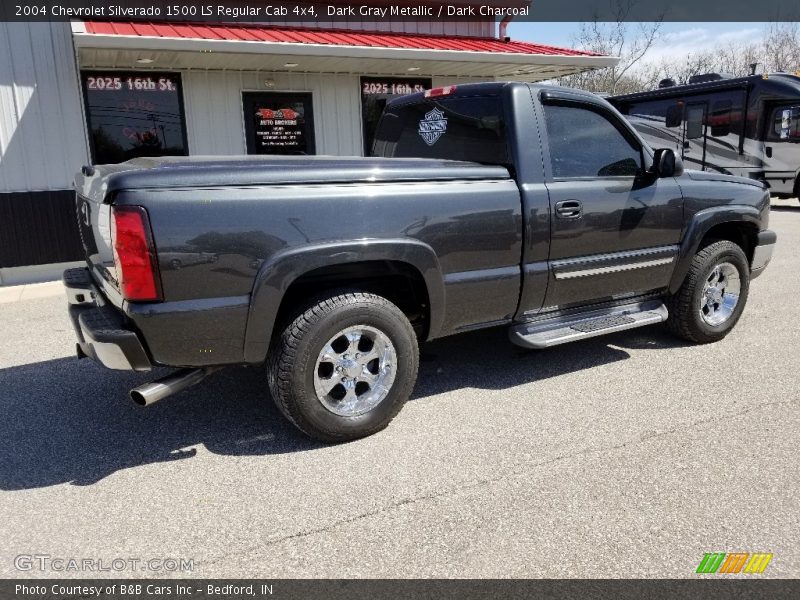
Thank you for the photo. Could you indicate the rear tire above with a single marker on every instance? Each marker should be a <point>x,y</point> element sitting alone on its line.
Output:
<point>343,368</point>
<point>713,295</point>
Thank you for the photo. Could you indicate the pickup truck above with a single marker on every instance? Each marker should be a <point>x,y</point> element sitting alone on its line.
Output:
<point>535,208</point>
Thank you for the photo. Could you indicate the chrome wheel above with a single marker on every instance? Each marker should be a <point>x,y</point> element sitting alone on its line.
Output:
<point>720,294</point>
<point>355,370</point>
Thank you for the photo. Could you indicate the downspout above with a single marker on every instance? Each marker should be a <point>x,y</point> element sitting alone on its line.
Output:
<point>502,33</point>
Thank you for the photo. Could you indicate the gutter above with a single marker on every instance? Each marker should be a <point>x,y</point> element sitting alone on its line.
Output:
<point>120,42</point>
<point>503,31</point>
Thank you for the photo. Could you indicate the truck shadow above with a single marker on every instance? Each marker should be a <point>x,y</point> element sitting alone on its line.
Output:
<point>70,421</point>
<point>784,208</point>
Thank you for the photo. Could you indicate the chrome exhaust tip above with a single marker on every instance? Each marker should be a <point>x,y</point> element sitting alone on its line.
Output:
<point>152,392</point>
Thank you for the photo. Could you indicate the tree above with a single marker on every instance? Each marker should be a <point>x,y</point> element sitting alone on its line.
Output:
<point>781,48</point>
<point>777,51</point>
<point>629,41</point>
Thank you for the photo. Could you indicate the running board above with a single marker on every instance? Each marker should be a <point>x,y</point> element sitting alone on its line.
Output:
<point>560,330</point>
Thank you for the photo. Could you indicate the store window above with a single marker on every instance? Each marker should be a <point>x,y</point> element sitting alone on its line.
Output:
<point>132,114</point>
<point>279,123</point>
<point>375,93</point>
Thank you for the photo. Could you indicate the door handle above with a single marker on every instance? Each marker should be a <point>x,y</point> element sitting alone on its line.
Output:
<point>569,209</point>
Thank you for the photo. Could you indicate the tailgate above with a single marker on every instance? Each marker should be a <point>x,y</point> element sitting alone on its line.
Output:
<point>93,208</point>
<point>95,228</point>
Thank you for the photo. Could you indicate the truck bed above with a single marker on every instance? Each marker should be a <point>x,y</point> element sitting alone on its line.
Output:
<point>100,182</point>
<point>224,228</point>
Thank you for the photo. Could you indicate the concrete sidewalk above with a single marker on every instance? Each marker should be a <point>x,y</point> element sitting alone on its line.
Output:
<point>30,291</point>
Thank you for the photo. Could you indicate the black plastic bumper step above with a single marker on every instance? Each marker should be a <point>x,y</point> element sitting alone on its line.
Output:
<point>77,278</point>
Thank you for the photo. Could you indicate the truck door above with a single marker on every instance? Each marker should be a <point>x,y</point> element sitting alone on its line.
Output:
<point>615,229</point>
<point>694,135</point>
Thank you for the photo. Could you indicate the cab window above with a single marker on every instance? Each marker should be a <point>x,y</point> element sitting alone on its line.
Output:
<point>585,143</point>
<point>457,128</point>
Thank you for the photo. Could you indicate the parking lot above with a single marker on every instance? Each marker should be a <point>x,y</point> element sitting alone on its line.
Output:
<point>625,456</point>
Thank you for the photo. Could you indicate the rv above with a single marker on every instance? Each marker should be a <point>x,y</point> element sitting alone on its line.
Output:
<point>747,126</point>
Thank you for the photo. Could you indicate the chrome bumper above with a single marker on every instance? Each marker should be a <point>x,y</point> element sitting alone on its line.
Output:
<point>101,330</point>
<point>762,253</point>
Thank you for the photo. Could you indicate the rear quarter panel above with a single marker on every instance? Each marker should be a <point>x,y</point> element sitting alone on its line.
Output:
<point>213,243</point>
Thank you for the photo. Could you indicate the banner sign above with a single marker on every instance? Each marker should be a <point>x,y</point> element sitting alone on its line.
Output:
<point>413,589</point>
<point>313,11</point>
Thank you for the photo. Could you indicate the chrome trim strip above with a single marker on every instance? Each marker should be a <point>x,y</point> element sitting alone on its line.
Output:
<point>614,268</point>
<point>585,261</point>
<point>482,275</point>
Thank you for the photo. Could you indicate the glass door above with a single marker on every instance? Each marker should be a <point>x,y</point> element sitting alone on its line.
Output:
<point>279,122</point>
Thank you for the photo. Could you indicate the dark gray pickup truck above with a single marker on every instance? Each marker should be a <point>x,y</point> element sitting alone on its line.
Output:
<point>536,208</point>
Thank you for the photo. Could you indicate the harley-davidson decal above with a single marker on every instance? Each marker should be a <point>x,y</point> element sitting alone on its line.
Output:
<point>433,126</point>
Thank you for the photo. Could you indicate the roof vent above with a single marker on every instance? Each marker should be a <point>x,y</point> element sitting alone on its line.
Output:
<point>707,77</point>
<point>665,83</point>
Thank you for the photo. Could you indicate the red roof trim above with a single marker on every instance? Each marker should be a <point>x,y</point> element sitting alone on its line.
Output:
<point>330,37</point>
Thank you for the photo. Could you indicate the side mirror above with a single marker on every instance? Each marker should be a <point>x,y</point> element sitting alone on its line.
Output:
<point>666,164</point>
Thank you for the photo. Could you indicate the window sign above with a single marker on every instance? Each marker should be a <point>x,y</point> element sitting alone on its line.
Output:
<point>279,123</point>
<point>375,92</point>
<point>132,114</point>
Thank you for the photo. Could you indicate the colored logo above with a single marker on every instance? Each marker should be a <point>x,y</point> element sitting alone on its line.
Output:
<point>734,562</point>
<point>281,113</point>
<point>433,126</point>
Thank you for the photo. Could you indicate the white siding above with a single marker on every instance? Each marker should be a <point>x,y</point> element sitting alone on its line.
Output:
<point>42,139</point>
<point>214,120</point>
<point>213,101</point>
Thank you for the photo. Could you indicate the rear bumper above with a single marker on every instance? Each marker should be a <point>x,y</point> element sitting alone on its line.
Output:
<point>762,253</point>
<point>100,328</point>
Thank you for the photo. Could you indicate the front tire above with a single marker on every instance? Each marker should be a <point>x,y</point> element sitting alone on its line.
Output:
<point>343,368</point>
<point>713,295</point>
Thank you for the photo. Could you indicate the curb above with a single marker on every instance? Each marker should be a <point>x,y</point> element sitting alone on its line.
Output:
<point>31,291</point>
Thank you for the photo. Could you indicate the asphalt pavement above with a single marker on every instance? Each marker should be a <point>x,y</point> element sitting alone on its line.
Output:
<point>625,456</point>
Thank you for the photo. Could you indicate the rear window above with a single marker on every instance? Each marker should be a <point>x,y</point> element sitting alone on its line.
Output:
<point>470,129</point>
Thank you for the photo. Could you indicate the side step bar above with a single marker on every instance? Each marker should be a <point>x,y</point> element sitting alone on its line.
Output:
<point>560,330</point>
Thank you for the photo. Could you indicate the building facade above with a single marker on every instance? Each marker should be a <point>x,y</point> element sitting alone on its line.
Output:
<point>98,92</point>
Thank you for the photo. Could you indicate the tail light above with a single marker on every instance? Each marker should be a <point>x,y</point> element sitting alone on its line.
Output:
<point>135,254</point>
<point>440,91</point>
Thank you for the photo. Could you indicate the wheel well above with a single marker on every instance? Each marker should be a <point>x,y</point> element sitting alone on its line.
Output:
<point>742,234</point>
<point>399,282</point>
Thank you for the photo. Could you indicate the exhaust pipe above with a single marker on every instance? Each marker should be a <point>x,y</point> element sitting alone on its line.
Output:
<point>152,392</point>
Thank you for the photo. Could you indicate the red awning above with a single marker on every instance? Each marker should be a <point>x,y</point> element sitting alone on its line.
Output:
<point>251,33</point>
